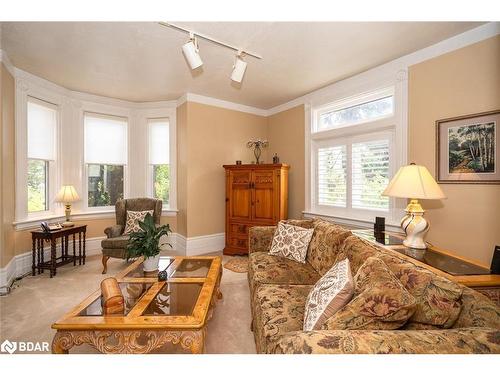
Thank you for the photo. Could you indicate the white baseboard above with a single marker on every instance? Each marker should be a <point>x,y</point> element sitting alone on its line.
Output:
<point>21,264</point>
<point>205,244</point>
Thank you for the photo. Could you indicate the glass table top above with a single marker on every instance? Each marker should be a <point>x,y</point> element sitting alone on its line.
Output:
<point>447,263</point>
<point>139,270</point>
<point>174,299</point>
<point>132,292</point>
<point>192,268</point>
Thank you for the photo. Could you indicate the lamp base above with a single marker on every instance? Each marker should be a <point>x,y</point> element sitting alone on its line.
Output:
<point>68,224</point>
<point>415,226</point>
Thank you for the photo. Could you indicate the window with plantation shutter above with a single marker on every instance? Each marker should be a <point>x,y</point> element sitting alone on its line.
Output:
<point>352,164</point>
<point>332,176</point>
<point>370,174</point>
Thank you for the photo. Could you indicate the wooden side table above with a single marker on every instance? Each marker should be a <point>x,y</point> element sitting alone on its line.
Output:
<point>38,257</point>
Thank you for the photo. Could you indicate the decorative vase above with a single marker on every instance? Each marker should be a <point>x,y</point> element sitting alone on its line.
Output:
<point>257,145</point>
<point>151,263</point>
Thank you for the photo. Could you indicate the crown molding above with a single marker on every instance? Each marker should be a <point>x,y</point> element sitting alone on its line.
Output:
<point>201,99</point>
<point>469,37</point>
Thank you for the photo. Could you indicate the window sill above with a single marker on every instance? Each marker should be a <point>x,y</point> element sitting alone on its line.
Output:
<point>34,223</point>
<point>359,223</point>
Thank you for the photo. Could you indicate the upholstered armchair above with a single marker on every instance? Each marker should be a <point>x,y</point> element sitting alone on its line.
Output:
<point>115,245</point>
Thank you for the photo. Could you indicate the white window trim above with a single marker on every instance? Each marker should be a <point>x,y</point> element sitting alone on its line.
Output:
<point>69,168</point>
<point>359,88</point>
<point>170,115</point>
<point>111,112</point>
<point>23,93</point>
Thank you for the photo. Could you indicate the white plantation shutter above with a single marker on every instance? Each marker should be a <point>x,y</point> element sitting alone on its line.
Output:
<point>370,174</point>
<point>42,126</point>
<point>332,176</point>
<point>105,140</point>
<point>159,144</point>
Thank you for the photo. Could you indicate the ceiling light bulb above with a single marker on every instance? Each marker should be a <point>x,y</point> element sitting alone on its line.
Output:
<point>191,52</point>
<point>239,68</point>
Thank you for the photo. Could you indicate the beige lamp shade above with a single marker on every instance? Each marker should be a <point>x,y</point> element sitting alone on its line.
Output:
<point>413,181</point>
<point>67,194</point>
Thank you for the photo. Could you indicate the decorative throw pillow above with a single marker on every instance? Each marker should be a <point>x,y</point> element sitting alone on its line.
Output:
<point>438,300</point>
<point>133,218</point>
<point>380,301</point>
<point>291,242</point>
<point>332,292</point>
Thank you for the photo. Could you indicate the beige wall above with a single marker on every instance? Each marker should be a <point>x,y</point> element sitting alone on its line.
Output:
<point>7,198</point>
<point>182,169</point>
<point>462,82</point>
<point>215,136</point>
<point>286,138</point>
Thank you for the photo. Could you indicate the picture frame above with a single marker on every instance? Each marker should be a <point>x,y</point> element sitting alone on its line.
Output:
<point>467,149</point>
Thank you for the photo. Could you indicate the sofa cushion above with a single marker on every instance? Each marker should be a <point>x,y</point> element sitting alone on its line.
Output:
<point>477,311</point>
<point>438,299</point>
<point>357,251</point>
<point>325,244</point>
<point>291,242</point>
<point>264,268</point>
<point>379,302</point>
<point>115,242</point>
<point>278,309</point>
<point>332,292</point>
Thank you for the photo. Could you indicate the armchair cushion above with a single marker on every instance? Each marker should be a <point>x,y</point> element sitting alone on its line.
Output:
<point>115,242</point>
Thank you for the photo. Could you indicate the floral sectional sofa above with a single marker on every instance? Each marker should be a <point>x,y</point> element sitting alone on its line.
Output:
<point>449,318</point>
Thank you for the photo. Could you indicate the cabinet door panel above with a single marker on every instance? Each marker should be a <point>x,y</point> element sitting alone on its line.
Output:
<point>263,196</point>
<point>241,195</point>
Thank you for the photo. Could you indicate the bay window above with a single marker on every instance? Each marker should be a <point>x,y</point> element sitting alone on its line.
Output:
<point>105,155</point>
<point>353,156</point>
<point>159,159</point>
<point>41,134</point>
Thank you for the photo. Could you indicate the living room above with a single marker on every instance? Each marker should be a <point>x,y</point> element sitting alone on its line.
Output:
<point>189,187</point>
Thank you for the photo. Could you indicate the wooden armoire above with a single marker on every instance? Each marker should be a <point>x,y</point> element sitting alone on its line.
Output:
<point>256,194</point>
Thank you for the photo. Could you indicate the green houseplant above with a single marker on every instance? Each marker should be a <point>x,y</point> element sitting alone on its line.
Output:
<point>146,243</point>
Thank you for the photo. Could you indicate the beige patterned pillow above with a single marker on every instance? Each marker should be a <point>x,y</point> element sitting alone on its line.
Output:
<point>133,218</point>
<point>291,242</point>
<point>331,293</point>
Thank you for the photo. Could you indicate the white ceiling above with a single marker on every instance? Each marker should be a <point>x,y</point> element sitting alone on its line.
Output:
<point>144,62</point>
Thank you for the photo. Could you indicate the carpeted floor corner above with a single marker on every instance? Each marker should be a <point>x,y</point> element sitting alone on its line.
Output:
<point>28,312</point>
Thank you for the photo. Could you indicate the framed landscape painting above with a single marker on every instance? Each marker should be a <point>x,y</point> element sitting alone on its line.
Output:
<point>467,149</point>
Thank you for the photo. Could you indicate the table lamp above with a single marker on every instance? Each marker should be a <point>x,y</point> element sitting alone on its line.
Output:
<point>414,182</point>
<point>67,195</point>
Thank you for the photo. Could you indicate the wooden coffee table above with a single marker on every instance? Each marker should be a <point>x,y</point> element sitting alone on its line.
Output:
<point>157,313</point>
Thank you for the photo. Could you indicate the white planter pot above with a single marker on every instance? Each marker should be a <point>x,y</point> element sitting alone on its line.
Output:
<point>151,264</point>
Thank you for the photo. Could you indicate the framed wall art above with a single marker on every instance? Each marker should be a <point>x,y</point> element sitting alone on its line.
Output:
<point>467,149</point>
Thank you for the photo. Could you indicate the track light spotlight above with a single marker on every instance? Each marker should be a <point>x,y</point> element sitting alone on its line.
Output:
<point>191,52</point>
<point>239,68</point>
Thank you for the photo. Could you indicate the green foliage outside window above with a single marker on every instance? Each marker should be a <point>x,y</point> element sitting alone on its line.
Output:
<point>161,182</point>
<point>37,185</point>
<point>105,184</point>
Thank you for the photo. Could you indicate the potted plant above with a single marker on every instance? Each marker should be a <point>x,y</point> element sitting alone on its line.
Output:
<point>146,243</point>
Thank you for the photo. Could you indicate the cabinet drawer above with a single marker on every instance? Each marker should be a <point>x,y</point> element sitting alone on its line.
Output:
<point>241,243</point>
<point>238,229</point>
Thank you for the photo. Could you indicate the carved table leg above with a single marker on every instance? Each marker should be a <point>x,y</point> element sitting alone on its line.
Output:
<point>61,343</point>
<point>194,341</point>
<point>53,257</point>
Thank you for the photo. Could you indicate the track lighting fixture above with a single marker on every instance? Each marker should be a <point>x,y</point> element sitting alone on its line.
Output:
<point>191,52</point>
<point>239,68</point>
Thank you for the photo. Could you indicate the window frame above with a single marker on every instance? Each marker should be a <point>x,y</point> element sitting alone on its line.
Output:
<point>44,98</point>
<point>149,117</point>
<point>85,165</point>
<point>392,126</point>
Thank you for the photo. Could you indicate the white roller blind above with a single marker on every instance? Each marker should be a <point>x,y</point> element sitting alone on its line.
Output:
<point>159,144</point>
<point>332,170</point>
<point>105,140</point>
<point>370,174</point>
<point>42,125</point>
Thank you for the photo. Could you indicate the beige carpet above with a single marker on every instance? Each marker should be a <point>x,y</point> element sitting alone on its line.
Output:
<point>28,312</point>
